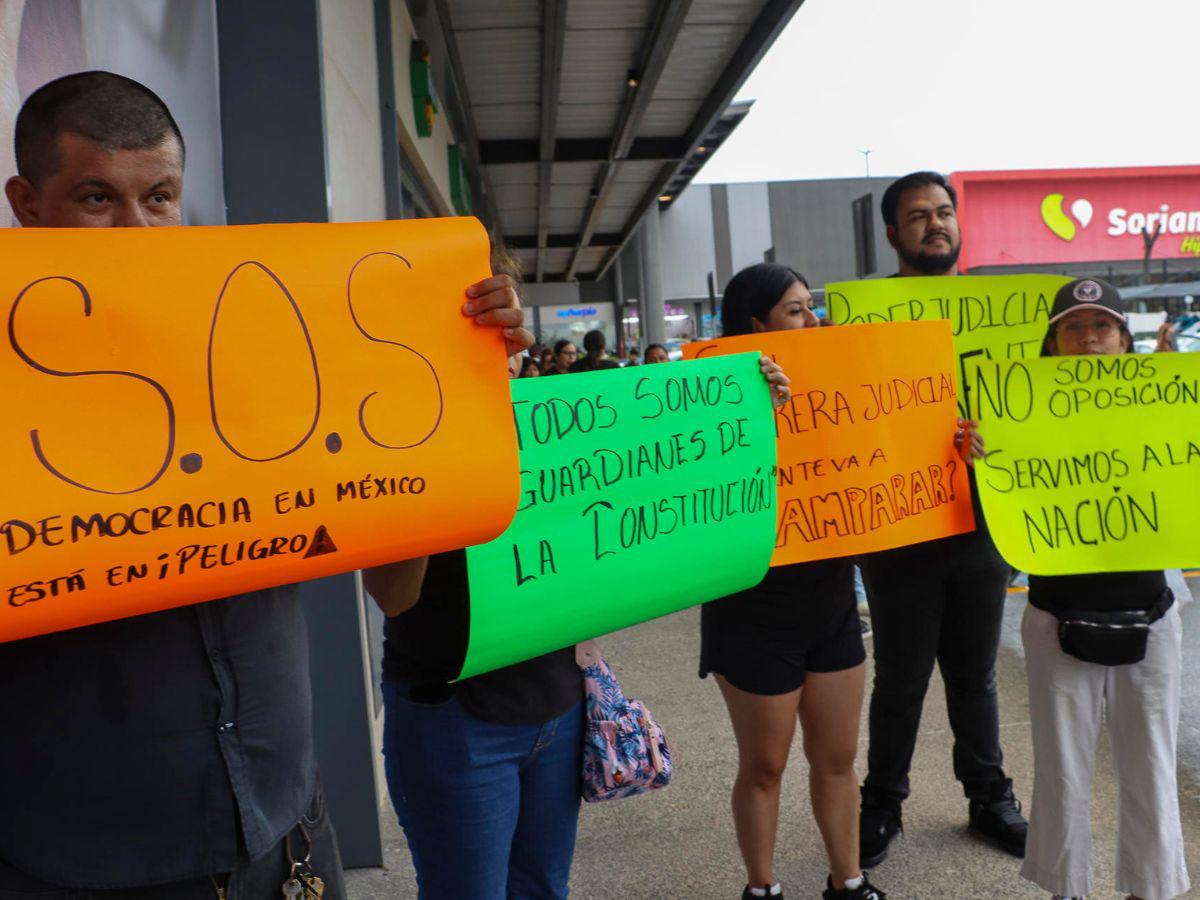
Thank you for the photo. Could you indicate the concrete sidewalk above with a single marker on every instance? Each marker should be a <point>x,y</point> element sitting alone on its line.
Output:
<point>679,843</point>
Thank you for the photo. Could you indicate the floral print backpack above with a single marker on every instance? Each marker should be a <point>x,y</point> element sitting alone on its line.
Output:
<point>625,751</point>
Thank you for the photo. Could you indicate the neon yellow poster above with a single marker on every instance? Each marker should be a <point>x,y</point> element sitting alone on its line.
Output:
<point>992,316</point>
<point>1093,462</point>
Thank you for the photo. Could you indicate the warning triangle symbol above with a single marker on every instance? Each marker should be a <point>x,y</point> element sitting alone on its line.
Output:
<point>322,543</point>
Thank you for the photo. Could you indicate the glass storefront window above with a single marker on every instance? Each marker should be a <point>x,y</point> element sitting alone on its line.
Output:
<point>571,323</point>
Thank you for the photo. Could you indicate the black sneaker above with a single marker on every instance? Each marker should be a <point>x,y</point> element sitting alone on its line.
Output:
<point>746,895</point>
<point>878,824</point>
<point>865,891</point>
<point>999,819</point>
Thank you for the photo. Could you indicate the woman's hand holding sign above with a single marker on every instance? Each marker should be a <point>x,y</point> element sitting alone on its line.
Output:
<point>781,385</point>
<point>494,301</point>
<point>969,442</point>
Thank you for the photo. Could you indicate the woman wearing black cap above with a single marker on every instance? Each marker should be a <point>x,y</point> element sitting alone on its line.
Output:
<point>1091,660</point>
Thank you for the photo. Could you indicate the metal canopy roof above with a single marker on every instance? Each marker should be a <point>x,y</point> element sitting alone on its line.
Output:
<point>584,113</point>
<point>1168,290</point>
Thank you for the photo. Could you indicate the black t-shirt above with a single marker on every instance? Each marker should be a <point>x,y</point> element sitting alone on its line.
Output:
<point>1100,592</point>
<point>427,645</point>
<point>789,600</point>
<point>973,546</point>
<point>589,365</point>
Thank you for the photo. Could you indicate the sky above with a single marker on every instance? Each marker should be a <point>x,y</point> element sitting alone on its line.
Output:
<point>960,85</point>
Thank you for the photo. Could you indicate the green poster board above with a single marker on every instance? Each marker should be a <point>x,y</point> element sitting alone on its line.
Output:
<point>992,316</point>
<point>1093,462</point>
<point>644,490</point>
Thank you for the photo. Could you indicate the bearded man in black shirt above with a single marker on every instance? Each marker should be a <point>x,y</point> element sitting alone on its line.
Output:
<point>941,601</point>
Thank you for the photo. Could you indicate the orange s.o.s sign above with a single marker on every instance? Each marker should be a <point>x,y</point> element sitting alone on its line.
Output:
<point>866,457</point>
<point>193,413</point>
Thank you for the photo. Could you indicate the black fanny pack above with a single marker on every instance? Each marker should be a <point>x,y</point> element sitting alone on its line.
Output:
<point>1111,638</point>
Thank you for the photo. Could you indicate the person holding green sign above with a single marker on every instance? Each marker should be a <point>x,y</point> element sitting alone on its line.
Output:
<point>484,771</point>
<point>789,648</point>
<point>937,602</point>
<point>1100,648</point>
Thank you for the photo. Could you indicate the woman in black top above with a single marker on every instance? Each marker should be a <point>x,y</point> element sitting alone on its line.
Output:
<point>1082,637</point>
<point>789,648</point>
<point>564,357</point>
<point>483,773</point>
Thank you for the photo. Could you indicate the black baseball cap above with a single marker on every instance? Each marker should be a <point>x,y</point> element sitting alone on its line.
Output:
<point>1087,293</point>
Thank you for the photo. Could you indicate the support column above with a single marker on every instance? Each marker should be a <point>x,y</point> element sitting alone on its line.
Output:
<point>273,154</point>
<point>618,296</point>
<point>649,242</point>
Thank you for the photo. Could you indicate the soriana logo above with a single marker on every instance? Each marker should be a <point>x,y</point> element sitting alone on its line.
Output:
<point>1071,216</point>
<point>1059,222</point>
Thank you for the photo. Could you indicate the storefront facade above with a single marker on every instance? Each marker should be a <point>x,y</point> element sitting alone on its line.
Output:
<point>1117,221</point>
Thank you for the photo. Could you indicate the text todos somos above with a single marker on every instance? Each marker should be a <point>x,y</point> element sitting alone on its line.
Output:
<point>629,478</point>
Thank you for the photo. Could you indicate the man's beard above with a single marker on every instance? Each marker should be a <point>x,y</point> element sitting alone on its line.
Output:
<point>930,263</point>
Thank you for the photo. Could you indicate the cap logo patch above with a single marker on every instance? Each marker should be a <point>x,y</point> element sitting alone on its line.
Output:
<point>1088,292</point>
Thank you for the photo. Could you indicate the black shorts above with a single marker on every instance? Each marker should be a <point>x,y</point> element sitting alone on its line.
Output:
<point>800,619</point>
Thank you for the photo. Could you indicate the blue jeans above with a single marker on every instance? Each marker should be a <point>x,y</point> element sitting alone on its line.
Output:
<point>489,810</point>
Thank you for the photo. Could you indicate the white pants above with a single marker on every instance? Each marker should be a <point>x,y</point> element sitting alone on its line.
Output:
<point>1068,701</point>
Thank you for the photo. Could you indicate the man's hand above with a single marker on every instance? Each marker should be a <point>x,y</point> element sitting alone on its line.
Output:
<point>781,385</point>
<point>969,442</point>
<point>494,302</point>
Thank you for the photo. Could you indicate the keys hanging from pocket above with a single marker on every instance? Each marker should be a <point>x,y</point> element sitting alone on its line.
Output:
<point>293,888</point>
<point>314,886</point>
<point>302,882</point>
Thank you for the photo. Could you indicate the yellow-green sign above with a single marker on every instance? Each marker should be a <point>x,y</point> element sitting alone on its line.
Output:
<point>1093,462</point>
<point>992,316</point>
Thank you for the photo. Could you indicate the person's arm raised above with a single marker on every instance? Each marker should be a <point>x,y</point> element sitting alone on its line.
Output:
<point>396,587</point>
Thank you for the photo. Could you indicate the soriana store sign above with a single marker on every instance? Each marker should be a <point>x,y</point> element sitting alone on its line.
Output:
<point>1077,215</point>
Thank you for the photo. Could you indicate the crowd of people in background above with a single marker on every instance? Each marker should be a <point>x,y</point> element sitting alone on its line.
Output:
<point>117,784</point>
<point>563,357</point>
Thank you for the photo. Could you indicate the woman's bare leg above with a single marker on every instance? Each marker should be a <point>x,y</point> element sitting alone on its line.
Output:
<point>764,727</point>
<point>829,714</point>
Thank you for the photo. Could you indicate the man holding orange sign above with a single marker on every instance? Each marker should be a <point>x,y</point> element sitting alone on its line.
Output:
<point>173,749</point>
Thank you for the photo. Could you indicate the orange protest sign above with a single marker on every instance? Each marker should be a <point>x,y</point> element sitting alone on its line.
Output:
<point>866,444</point>
<point>193,413</point>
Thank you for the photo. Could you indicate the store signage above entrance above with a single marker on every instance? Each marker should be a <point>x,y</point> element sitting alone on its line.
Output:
<point>1074,216</point>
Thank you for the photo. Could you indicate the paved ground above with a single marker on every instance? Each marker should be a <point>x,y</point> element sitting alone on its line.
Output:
<point>679,843</point>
